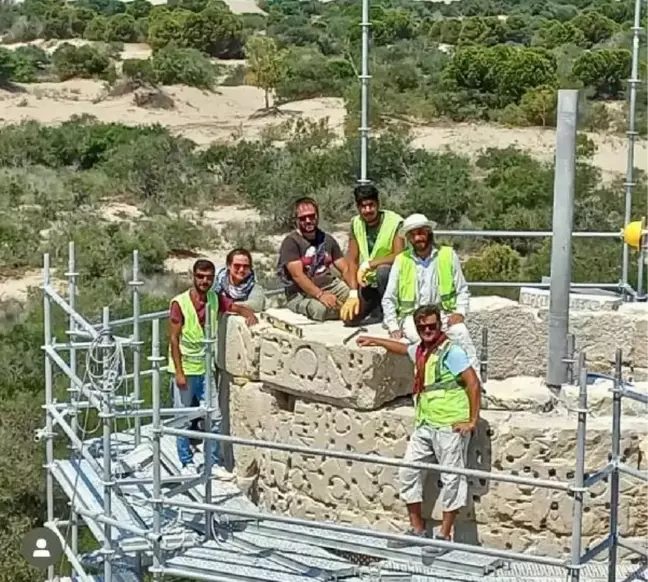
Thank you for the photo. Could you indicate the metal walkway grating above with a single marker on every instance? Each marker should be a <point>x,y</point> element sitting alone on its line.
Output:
<point>248,550</point>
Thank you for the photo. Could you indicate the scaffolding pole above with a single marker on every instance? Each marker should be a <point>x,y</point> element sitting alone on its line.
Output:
<point>614,478</point>
<point>137,344</point>
<point>210,394</point>
<point>73,390</point>
<point>364,93</point>
<point>49,398</point>
<point>631,133</point>
<point>107,418</point>
<point>579,474</point>
<point>155,360</point>
<point>561,251</point>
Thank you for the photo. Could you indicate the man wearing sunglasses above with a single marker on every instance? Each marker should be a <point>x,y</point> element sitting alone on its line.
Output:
<point>447,400</point>
<point>187,360</point>
<point>307,265</point>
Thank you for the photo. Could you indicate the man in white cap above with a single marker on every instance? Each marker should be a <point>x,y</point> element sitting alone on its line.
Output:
<point>424,274</point>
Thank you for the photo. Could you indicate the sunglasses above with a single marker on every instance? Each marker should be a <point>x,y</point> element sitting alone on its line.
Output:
<point>427,327</point>
<point>306,217</point>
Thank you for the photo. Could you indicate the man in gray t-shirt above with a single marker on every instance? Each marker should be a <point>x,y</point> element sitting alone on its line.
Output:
<point>312,267</point>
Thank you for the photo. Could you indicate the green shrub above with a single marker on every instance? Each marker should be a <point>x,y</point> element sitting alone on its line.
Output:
<point>29,62</point>
<point>175,66</point>
<point>121,28</point>
<point>140,71</point>
<point>83,61</point>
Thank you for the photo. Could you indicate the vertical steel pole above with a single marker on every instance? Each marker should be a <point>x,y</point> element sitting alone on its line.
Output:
<point>483,361</point>
<point>364,93</point>
<point>632,135</point>
<point>571,349</point>
<point>73,390</point>
<point>209,405</point>
<point>640,274</point>
<point>49,397</point>
<point>137,345</point>
<point>579,474</point>
<point>561,242</point>
<point>107,418</point>
<point>155,360</point>
<point>614,477</point>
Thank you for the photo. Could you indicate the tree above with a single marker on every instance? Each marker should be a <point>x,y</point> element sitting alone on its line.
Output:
<point>596,27</point>
<point>265,64</point>
<point>539,105</point>
<point>215,31</point>
<point>7,65</point>
<point>605,70</point>
<point>121,28</point>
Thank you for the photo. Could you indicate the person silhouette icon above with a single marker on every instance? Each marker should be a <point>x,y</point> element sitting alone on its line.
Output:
<point>41,550</point>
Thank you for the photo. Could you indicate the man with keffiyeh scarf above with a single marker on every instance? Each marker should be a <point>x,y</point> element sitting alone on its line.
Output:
<point>447,400</point>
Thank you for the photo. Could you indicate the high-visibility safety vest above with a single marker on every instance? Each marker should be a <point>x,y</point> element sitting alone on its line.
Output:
<point>443,401</point>
<point>383,245</point>
<point>192,348</point>
<point>407,286</point>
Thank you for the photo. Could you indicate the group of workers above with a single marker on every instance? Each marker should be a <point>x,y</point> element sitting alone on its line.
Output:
<point>392,272</point>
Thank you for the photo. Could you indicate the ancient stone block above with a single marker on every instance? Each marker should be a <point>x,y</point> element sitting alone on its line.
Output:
<point>517,338</point>
<point>504,515</point>
<point>539,298</point>
<point>319,367</point>
<point>518,393</point>
<point>238,346</point>
<point>599,399</point>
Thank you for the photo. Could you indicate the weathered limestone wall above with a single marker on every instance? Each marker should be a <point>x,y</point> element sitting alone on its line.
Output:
<point>315,391</point>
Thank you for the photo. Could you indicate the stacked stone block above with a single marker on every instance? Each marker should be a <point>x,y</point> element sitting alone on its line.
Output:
<point>317,392</point>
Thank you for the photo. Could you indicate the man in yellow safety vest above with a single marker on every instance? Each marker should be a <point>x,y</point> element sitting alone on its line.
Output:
<point>447,399</point>
<point>424,274</point>
<point>374,243</point>
<point>186,364</point>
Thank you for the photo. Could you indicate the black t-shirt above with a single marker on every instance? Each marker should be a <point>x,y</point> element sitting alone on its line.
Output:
<point>316,256</point>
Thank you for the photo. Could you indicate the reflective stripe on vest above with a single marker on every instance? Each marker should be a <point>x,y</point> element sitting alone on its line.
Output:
<point>192,348</point>
<point>407,284</point>
<point>445,270</point>
<point>444,400</point>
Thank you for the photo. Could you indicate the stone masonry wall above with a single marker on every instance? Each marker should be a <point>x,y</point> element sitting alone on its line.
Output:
<point>315,391</point>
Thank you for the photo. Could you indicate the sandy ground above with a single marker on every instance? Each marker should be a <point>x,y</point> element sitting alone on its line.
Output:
<point>226,114</point>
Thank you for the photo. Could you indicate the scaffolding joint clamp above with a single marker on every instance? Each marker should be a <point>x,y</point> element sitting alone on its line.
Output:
<point>106,415</point>
<point>155,359</point>
<point>71,274</point>
<point>108,483</point>
<point>135,283</point>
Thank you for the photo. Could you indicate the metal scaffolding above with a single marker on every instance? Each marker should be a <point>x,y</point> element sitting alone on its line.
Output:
<point>128,511</point>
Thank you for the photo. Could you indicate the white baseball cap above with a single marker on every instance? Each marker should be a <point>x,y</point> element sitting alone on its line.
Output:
<point>414,221</point>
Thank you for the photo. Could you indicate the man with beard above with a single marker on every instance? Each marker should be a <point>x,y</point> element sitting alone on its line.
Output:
<point>311,265</point>
<point>374,243</point>
<point>187,360</point>
<point>447,400</point>
<point>424,274</point>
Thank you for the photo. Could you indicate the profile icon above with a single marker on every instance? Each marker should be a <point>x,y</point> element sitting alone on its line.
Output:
<point>41,550</point>
<point>41,547</point>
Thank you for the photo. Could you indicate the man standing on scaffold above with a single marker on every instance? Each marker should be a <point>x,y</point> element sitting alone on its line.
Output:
<point>447,401</point>
<point>187,360</point>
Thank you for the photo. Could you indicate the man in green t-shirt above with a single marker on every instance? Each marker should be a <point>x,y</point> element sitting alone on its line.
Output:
<point>447,400</point>
<point>374,243</point>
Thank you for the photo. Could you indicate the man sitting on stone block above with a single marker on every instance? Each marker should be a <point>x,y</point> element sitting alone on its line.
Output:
<point>426,274</point>
<point>310,263</point>
<point>237,287</point>
<point>447,401</point>
<point>374,242</point>
<point>187,360</point>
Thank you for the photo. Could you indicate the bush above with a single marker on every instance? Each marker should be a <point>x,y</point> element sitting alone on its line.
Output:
<point>83,61</point>
<point>139,70</point>
<point>29,62</point>
<point>121,28</point>
<point>175,66</point>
